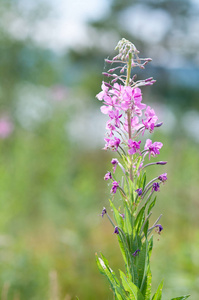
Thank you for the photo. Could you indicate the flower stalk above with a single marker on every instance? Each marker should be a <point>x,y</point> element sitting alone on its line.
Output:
<point>128,121</point>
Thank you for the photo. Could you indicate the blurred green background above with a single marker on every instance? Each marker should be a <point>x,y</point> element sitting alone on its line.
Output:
<point>51,135</point>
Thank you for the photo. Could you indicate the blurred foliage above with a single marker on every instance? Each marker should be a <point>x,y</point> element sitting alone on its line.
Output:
<point>51,185</point>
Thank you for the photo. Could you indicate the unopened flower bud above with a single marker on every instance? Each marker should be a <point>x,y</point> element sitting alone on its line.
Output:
<point>148,79</point>
<point>106,74</point>
<point>114,80</point>
<point>111,70</point>
<point>122,70</point>
<point>158,124</point>
<point>108,85</point>
<point>108,61</point>
<point>116,230</point>
<point>103,212</point>
<point>161,163</point>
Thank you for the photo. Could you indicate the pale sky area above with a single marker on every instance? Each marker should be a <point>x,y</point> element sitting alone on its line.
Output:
<point>65,26</point>
<point>68,24</point>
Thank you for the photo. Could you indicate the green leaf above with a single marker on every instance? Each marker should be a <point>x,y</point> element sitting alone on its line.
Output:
<point>142,264</point>
<point>118,218</point>
<point>181,298</point>
<point>145,229</point>
<point>143,181</point>
<point>138,164</point>
<point>158,294</point>
<point>116,286</point>
<point>150,246</point>
<point>146,291</point>
<point>152,205</point>
<point>128,221</point>
<point>139,219</point>
<point>119,297</point>
<point>130,287</point>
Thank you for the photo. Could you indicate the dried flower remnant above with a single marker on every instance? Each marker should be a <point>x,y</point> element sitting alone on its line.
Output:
<point>159,228</point>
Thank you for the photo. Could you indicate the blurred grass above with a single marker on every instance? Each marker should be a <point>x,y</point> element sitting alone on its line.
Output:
<point>51,195</point>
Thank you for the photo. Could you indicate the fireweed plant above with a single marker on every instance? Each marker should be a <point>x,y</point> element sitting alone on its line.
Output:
<point>129,120</point>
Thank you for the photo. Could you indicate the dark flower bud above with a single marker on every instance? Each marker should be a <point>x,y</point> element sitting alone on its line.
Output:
<point>108,85</point>
<point>156,187</point>
<point>161,163</point>
<point>139,191</point>
<point>116,230</point>
<point>163,177</point>
<point>103,212</point>
<point>158,124</point>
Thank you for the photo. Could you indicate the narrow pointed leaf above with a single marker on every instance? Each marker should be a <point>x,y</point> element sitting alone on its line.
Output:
<point>146,291</point>
<point>128,221</point>
<point>118,218</point>
<point>111,276</point>
<point>150,245</point>
<point>145,229</point>
<point>158,294</point>
<point>142,265</point>
<point>152,205</point>
<point>181,298</point>
<point>130,287</point>
<point>139,219</point>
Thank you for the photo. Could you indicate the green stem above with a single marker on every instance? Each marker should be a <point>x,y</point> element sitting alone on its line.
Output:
<point>128,69</point>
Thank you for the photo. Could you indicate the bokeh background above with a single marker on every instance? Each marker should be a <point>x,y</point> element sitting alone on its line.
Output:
<point>51,135</point>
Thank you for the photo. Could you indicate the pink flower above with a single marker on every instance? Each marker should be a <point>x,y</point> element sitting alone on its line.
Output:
<point>126,98</point>
<point>6,127</point>
<point>133,146</point>
<point>114,187</point>
<point>110,127</point>
<point>103,93</point>
<point>138,106</point>
<point>153,148</point>
<point>107,176</point>
<point>149,123</point>
<point>112,144</point>
<point>114,115</point>
<point>110,103</point>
